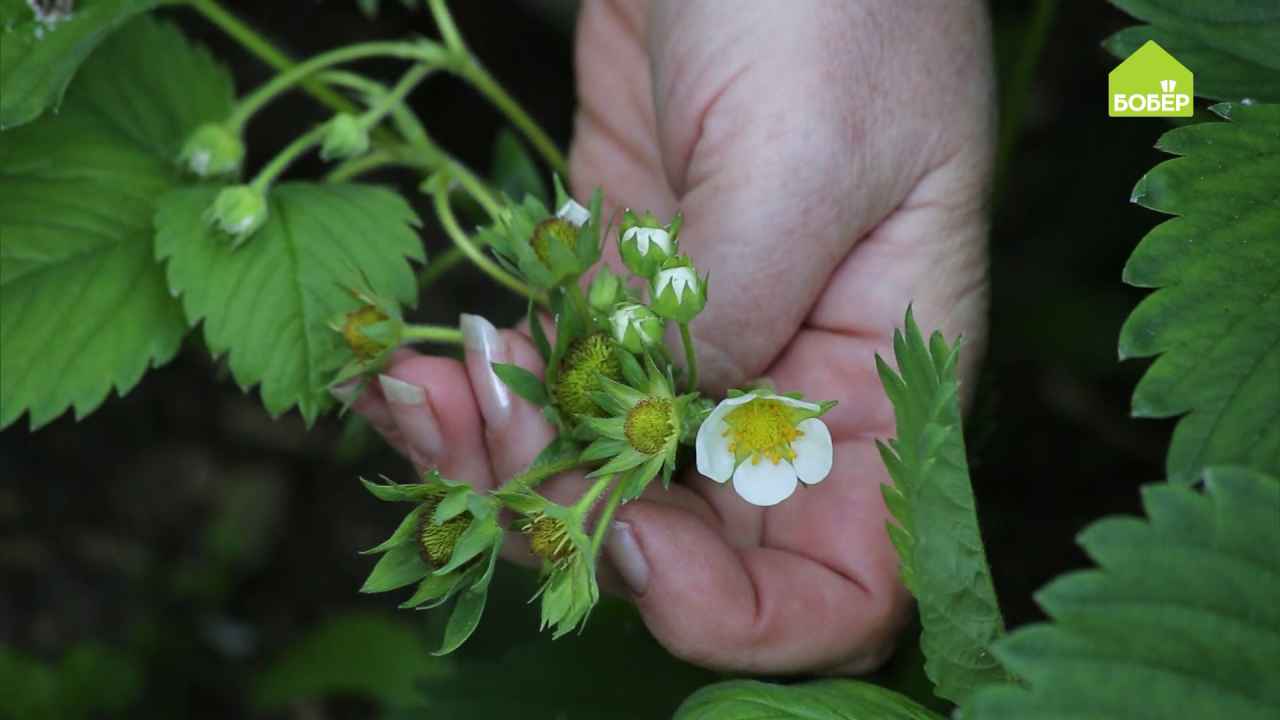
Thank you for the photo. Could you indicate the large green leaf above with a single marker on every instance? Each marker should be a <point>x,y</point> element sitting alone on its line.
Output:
<point>821,700</point>
<point>83,305</point>
<point>38,58</point>
<point>268,303</point>
<point>1236,31</point>
<point>1179,621</point>
<point>364,654</point>
<point>937,536</point>
<point>1215,321</point>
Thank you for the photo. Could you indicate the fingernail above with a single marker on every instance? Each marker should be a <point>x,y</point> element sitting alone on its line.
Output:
<point>346,393</point>
<point>414,417</point>
<point>399,391</point>
<point>625,554</point>
<point>484,347</point>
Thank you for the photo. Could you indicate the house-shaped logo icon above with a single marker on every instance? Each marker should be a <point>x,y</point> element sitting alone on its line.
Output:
<point>1150,83</point>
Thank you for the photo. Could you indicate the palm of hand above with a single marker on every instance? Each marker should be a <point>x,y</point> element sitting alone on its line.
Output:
<point>820,214</point>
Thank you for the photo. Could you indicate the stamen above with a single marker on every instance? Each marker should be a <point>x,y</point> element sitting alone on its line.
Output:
<point>762,429</point>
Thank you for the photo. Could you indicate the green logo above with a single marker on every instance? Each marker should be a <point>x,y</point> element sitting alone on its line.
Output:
<point>1150,83</point>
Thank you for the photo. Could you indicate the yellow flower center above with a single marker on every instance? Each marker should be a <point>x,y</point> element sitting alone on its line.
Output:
<point>648,425</point>
<point>352,331</point>
<point>762,429</point>
<point>548,538</point>
<point>586,358</point>
<point>561,231</point>
<point>436,542</point>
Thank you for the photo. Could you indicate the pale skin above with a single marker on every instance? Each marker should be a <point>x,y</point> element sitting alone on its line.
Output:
<point>832,160</point>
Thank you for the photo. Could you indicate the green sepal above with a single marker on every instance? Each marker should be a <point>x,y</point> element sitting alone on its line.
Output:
<point>454,503</point>
<point>433,591</point>
<point>621,462</point>
<point>602,448</point>
<point>391,492</point>
<point>404,533</point>
<point>470,606</point>
<point>537,332</point>
<point>522,383</point>
<point>624,395</point>
<point>635,481</point>
<point>608,427</point>
<point>631,370</point>
<point>482,533</point>
<point>401,565</point>
<point>522,500</point>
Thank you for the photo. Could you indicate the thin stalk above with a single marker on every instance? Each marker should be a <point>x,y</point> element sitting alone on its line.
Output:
<point>432,333</point>
<point>266,92</point>
<point>448,30</point>
<point>606,519</point>
<point>690,358</point>
<point>357,166</point>
<point>406,123</point>
<point>255,43</point>
<point>532,476</point>
<point>285,157</point>
<point>450,223</point>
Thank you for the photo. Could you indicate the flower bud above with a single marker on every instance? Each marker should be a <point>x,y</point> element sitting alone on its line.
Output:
<point>437,541</point>
<point>345,137</point>
<point>678,293</point>
<point>548,538</point>
<point>574,213</point>
<point>239,210</point>
<point>645,244</point>
<point>606,290</point>
<point>212,150</point>
<point>587,359</point>
<point>636,327</point>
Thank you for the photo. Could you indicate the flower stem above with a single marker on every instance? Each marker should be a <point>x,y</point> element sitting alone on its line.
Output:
<point>584,504</point>
<point>690,358</point>
<point>450,223</point>
<point>469,69</point>
<point>255,100</point>
<point>406,123</point>
<point>530,477</point>
<point>432,333</point>
<point>285,157</point>
<point>606,519</point>
<point>357,166</point>
<point>268,53</point>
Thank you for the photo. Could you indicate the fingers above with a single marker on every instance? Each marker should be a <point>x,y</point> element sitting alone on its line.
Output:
<point>799,601</point>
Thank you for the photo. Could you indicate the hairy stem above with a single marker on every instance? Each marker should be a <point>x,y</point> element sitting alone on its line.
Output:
<point>432,333</point>
<point>690,358</point>
<point>285,157</point>
<point>532,476</point>
<point>606,519</point>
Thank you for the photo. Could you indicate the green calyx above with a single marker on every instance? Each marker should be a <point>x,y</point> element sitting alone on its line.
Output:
<point>238,211</point>
<point>587,359</point>
<point>648,425</point>
<point>213,149</point>
<point>353,326</point>
<point>345,136</point>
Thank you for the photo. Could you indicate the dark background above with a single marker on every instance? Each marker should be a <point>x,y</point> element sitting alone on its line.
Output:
<point>190,541</point>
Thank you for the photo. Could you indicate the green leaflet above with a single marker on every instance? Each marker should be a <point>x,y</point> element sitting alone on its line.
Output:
<point>1246,30</point>
<point>268,303</point>
<point>937,536</point>
<point>1215,319</point>
<point>360,653</point>
<point>84,307</point>
<point>820,700</point>
<point>38,59</point>
<point>1180,620</point>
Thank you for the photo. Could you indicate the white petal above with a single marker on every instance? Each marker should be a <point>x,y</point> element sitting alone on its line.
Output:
<point>574,213</point>
<point>813,451</point>
<point>712,449</point>
<point>764,483</point>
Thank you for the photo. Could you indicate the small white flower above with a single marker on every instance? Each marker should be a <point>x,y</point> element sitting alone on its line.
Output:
<point>574,213</point>
<point>767,444</point>
<point>645,235</point>
<point>679,278</point>
<point>635,327</point>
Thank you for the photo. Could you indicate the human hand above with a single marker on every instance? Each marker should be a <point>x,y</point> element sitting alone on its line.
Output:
<point>831,159</point>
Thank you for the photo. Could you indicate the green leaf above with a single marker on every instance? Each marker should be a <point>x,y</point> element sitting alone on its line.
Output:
<point>469,608</point>
<point>1215,319</point>
<point>1238,31</point>
<point>1219,74</point>
<point>366,654</point>
<point>38,58</point>
<point>401,565</point>
<point>1180,620</point>
<point>937,536</point>
<point>514,172</point>
<point>523,383</point>
<point>820,700</point>
<point>268,303</point>
<point>84,307</point>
